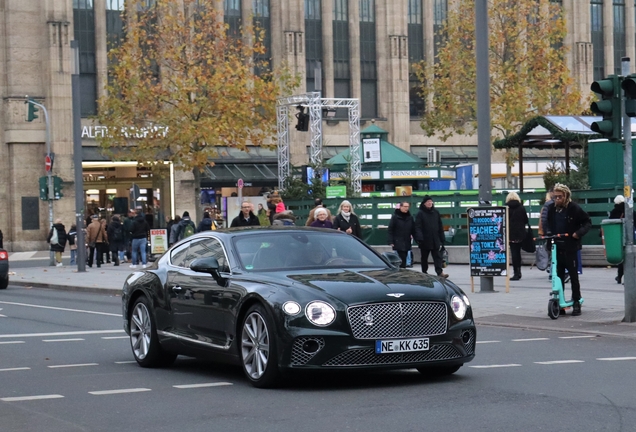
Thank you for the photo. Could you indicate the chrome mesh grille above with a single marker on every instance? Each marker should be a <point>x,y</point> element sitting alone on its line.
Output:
<point>363,357</point>
<point>398,320</point>
<point>300,357</point>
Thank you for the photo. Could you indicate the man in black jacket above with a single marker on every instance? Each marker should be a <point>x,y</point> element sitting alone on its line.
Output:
<point>401,229</point>
<point>139,233</point>
<point>567,217</point>
<point>246,217</point>
<point>429,234</point>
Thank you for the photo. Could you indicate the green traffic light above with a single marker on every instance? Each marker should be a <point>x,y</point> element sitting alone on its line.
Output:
<point>608,106</point>
<point>605,127</point>
<point>605,87</point>
<point>31,111</point>
<point>601,107</point>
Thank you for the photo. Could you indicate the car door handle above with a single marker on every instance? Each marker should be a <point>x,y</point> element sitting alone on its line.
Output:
<point>176,288</point>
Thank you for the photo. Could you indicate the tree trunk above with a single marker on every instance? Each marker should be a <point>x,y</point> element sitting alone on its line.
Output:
<point>198,211</point>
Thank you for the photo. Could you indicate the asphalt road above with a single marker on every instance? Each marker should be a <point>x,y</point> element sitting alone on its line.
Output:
<point>66,366</point>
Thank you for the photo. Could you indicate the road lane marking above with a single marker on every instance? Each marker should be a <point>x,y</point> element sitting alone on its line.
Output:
<point>114,337</point>
<point>73,365</point>
<point>485,342</point>
<point>530,340</point>
<point>577,337</point>
<point>11,342</point>
<point>189,386</point>
<point>495,366</point>
<point>2,316</point>
<point>61,309</point>
<point>616,358</point>
<point>63,340</point>
<point>126,362</point>
<point>27,398</point>
<point>75,333</point>
<point>553,362</point>
<point>111,392</point>
<point>15,369</point>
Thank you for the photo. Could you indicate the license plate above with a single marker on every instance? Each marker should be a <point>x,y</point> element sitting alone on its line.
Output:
<point>401,345</point>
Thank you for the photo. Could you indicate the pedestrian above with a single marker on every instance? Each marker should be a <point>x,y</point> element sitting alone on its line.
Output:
<point>618,212</point>
<point>102,246</point>
<point>139,233</point>
<point>263,217</point>
<point>401,231</point>
<point>184,229</point>
<point>317,203</point>
<point>322,218</point>
<point>117,240</point>
<point>246,217</point>
<point>567,217</point>
<point>206,223</point>
<point>127,223</point>
<point>429,235</point>
<point>169,223</point>
<point>517,220</point>
<point>346,220</point>
<point>285,218</point>
<point>94,232</point>
<point>72,243</point>
<point>57,239</point>
<point>275,205</point>
<point>174,231</point>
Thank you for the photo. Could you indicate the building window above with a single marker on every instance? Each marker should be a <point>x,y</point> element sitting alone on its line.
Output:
<point>262,23</point>
<point>596,14</point>
<point>232,16</point>
<point>368,65</point>
<point>313,41</point>
<point>341,66</point>
<point>619,34</point>
<point>416,55</point>
<point>440,12</point>
<point>84,32</point>
<point>114,23</point>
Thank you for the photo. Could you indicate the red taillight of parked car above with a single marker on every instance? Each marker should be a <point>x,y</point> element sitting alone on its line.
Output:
<point>4,255</point>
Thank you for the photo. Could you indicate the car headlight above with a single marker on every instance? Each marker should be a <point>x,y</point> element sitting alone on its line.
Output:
<point>320,313</point>
<point>291,308</point>
<point>465,298</point>
<point>459,307</point>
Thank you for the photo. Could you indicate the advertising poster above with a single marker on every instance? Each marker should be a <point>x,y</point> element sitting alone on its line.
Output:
<point>158,241</point>
<point>487,241</point>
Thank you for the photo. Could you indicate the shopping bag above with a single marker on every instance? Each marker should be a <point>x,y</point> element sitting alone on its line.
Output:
<point>527,244</point>
<point>542,257</point>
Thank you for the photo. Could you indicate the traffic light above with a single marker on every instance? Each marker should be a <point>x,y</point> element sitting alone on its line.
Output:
<point>609,106</point>
<point>31,111</point>
<point>303,119</point>
<point>629,85</point>
<point>44,188</point>
<point>58,184</point>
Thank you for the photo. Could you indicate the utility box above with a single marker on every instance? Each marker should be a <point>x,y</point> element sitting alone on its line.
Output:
<point>612,230</point>
<point>606,164</point>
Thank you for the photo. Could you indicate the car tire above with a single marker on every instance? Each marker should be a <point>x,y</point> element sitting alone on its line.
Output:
<point>143,337</point>
<point>257,349</point>
<point>4,282</point>
<point>438,371</point>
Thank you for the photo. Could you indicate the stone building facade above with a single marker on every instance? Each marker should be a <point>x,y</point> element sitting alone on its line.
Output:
<point>363,49</point>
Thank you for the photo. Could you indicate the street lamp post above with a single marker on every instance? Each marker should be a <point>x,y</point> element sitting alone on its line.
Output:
<point>77,159</point>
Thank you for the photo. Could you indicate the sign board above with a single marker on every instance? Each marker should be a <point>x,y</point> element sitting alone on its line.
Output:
<point>48,163</point>
<point>487,241</point>
<point>336,191</point>
<point>240,183</point>
<point>371,150</point>
<point>158,241</point>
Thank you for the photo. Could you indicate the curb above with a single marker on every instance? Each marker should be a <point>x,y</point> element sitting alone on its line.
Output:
<point>564,330</point>
<point>95,290</point>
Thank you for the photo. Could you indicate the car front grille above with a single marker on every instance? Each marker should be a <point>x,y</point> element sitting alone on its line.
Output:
<point>364,357</point>
<point>398,320</point>
<point>470,345</point>
<point>299,356</point>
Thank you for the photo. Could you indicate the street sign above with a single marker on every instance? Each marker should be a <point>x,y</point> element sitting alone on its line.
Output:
<point>240,183</point>
<point>48,163</point>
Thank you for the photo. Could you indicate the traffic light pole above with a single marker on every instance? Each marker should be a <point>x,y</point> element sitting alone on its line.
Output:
<point>629,271</point>
<point>49,172</point>
<point>77,160</point>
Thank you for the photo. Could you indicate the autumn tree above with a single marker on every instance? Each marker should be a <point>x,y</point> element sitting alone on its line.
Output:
<point>181,85</point>
<point>528,72</point>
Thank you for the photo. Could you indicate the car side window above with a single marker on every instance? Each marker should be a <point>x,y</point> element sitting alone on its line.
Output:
<point>208,247</point>
<point>178,255</point>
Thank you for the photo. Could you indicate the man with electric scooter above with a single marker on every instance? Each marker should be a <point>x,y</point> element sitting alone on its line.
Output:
<point>567,217</point>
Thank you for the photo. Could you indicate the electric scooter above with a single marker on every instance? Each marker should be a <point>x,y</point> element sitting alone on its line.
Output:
<point>557,298</point>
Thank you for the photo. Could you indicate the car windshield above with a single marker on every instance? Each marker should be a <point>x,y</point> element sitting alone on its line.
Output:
<point>299,250</point>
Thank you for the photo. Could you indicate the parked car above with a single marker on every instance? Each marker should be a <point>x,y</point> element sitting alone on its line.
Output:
<point>4,269</point>
<point>276,299</point>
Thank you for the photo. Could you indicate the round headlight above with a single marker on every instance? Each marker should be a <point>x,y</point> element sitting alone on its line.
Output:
<point>320,313</point>
<point>458,306</point>
<point>465,298</point>
<point>291,308</point>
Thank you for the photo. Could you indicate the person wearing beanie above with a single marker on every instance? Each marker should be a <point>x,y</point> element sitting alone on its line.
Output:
<point>184,228</point>
<point>567,217</point>
<point>429,235</point>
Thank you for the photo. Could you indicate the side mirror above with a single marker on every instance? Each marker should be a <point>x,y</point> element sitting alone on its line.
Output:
<point>208,265</point>
<point>393,258</point>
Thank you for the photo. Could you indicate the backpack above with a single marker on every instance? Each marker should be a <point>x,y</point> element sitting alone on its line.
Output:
<point>188,230</point>
<point>118,234</point>
<point>54,238</point>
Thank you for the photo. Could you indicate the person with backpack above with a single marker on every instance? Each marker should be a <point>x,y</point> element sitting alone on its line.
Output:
<point>117,240</point>
<point>139,234</point>
<point>246,217</point>
<point>184,229</point>
<point>206,223</point>
<point>72,237</point>
<point>57,239</point>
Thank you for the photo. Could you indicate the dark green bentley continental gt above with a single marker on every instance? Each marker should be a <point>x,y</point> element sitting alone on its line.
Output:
<point>276,299</point>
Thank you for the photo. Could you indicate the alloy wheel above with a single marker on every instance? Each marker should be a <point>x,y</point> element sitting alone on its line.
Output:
<point>140,331</point>
<point>255,345</point>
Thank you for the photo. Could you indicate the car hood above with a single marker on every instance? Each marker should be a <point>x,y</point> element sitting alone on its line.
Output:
<point>351,286</point>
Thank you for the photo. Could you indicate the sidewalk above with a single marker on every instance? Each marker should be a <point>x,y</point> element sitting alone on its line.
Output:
<point>525,306</point>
